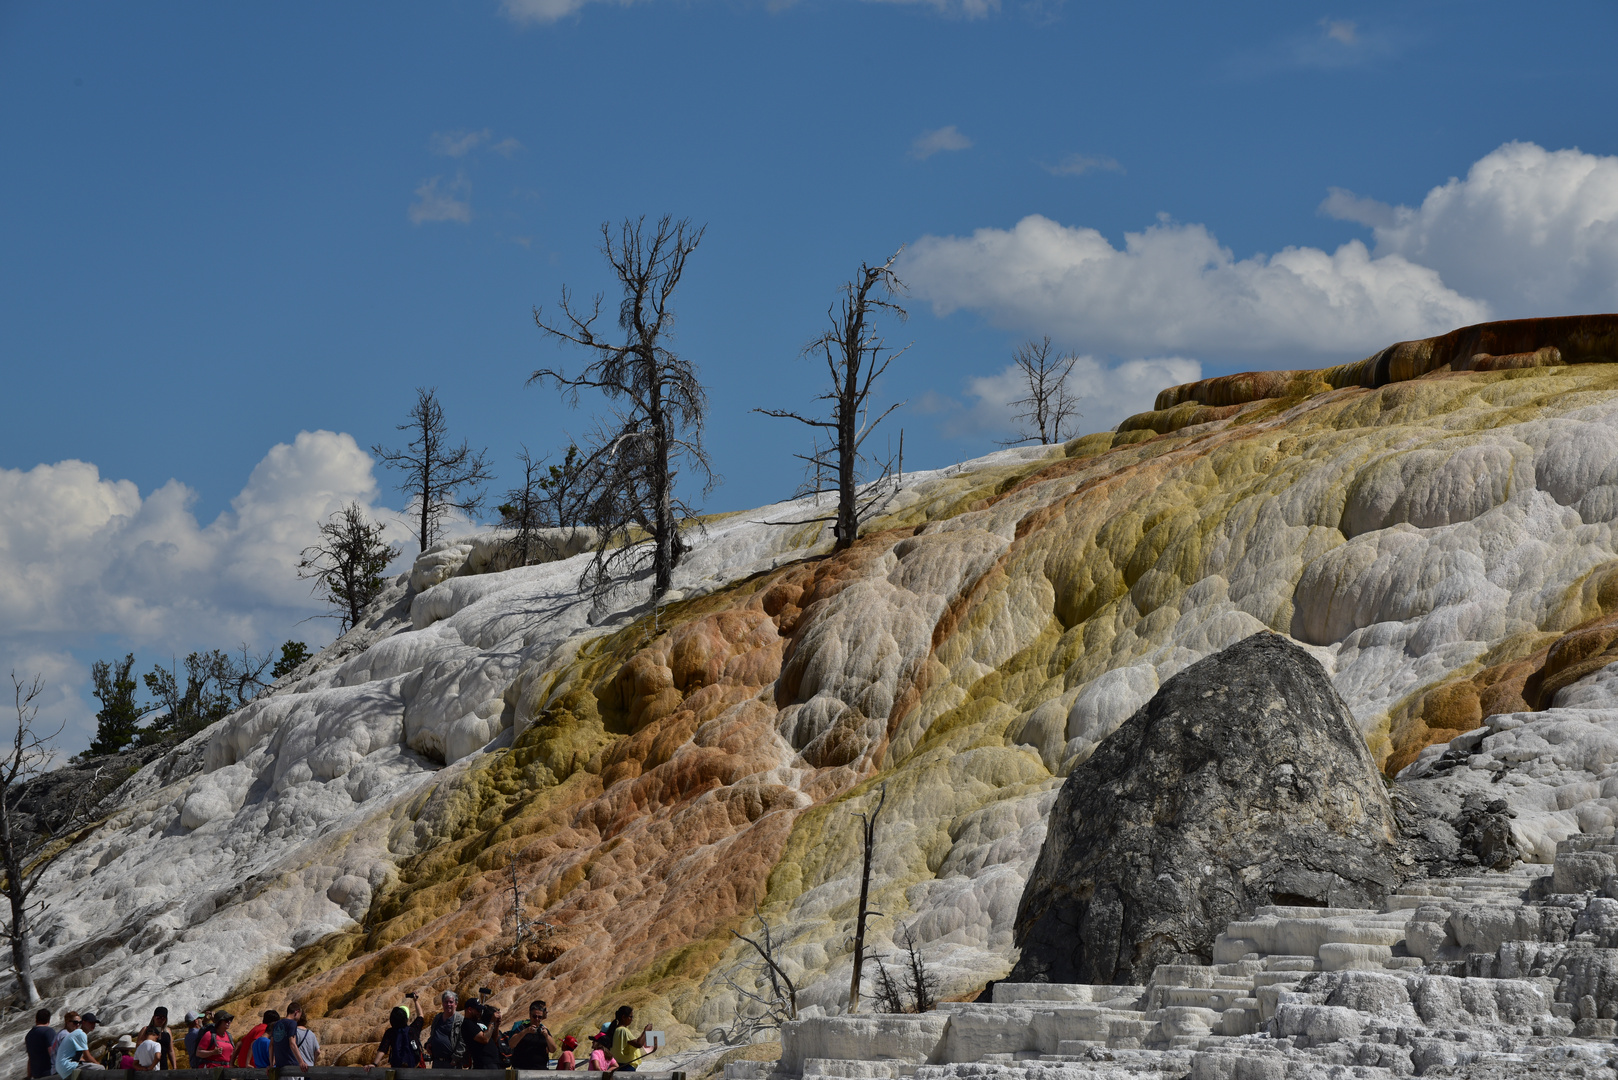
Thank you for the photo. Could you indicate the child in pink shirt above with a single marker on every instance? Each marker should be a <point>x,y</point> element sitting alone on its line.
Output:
<point>599,1059</point>
<point>566,1060</point>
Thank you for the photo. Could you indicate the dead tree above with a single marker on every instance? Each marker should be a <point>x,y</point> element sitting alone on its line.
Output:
<point>524,929</point>
<point>1049,403</point>
<point>550,497</point>
<point>658,406</point>
<point>888,997</point>
<point>438,477</point>
<point>348,563</point>
<point>757,1011</point>
<point>868,822</point>
<point>856,356</point>
<point>920,983</point>
<point>29,846</point>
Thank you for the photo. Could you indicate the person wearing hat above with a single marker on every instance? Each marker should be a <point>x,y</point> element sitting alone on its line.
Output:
<point>566,1060</point>
<point>193,1031</point>
<point>123,1052</point>
<point>73,1053</point>
<point>159,1026</point>
<point>600,1059</point>
<point>214,1048</point>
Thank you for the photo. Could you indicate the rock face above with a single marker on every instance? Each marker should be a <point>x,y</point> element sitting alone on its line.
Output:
<point>1446,545</point>
<point>1243,782</point>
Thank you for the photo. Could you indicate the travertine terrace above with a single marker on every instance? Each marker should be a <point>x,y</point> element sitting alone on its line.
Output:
<point>1435,525</point>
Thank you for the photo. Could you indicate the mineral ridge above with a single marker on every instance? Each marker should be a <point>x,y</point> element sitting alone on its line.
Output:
<point>1433,525</point>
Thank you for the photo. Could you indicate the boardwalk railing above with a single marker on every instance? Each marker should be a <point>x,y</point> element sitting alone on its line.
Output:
<point>357,1072</point>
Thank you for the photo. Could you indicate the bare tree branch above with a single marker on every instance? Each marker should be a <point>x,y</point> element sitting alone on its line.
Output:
<point>1049,403</point>
<point>868,827</point>
<point>659,409</point>
<point>778,1005</point>
<point>438,478</point>
<point>25,854</point>
<point>856,356</point>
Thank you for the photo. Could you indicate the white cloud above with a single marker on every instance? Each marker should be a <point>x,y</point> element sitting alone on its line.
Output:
<point>544,12</point>
<point>506,147</point>
<point>89,560</point>
<point>88,555</point>
<point>1173,288</point>
<point>458,143</point>
<point>1079,164</point>
<point>447,204</point>
<point>960,9</point>
<point>1341,31</point>
<point>1532,231</point>
<point>929,143</point>
<point>1106,393</point>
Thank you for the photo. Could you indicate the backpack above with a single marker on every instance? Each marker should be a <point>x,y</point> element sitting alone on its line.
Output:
<point>443,1039</point>
<point>406,1048</point>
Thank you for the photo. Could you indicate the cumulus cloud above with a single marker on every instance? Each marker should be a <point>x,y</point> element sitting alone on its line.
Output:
<point>1534,232</point>
<point>1173,288</point>
<point>90,560</point>
<point>1106,393</point>
<point>943,139</point>
<point>1079,164</point>
<point>449,203</point>
<point>457,143</point>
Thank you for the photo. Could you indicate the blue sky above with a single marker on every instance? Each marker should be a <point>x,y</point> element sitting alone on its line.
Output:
<point>225,225</point>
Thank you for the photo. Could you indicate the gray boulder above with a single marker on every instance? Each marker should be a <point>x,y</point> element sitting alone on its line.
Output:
<point>1243,782</point>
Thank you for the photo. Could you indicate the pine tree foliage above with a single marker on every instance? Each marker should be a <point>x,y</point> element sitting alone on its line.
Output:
<point>348,564</point>
<point>118,720</point>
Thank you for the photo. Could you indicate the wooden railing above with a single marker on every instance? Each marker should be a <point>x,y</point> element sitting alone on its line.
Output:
<point>359,1072</point>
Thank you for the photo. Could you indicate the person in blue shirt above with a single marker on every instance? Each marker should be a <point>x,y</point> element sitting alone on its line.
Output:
<point>38,1044</point>
<point>261,1045</point>
<point>283,1036</point>
<point>73,1052</point>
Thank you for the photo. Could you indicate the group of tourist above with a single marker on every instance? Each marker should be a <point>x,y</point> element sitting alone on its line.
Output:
<point>461,1036</point>
<point>66,1053</point>
<point>469,1036</point>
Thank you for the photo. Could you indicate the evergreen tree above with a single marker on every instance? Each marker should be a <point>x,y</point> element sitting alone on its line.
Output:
<point>119,719</point>
<point>348,564</point>
<point>293,653</point>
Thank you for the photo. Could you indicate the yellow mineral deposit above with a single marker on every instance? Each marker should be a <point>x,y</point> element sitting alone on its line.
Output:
<point>1435,524</point>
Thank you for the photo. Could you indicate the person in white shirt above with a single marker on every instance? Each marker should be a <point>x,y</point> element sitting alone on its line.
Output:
<point>149,1054</point>
<point>308,1041</point>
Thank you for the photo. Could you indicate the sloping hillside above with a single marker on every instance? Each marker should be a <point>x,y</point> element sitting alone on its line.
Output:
<point>1440,539</point>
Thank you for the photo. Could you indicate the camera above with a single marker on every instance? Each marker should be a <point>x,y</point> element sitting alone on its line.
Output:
<point>411,995</point>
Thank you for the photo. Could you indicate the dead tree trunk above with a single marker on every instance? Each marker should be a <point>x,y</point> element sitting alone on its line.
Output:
<point>662,405</point>
<point>27,851</point>
<point>855,356</point>
<point>869,829</point>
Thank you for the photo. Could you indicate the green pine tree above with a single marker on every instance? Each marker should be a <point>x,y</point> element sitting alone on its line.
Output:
<point>119,718</point>
<point>293,653</point>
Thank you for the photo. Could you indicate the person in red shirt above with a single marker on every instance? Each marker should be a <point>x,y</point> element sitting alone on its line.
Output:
<point>214,1049</point>
<point>244,1046</point>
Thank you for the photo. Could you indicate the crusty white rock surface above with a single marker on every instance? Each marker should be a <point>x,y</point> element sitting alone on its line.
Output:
<point>1399,534</point>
